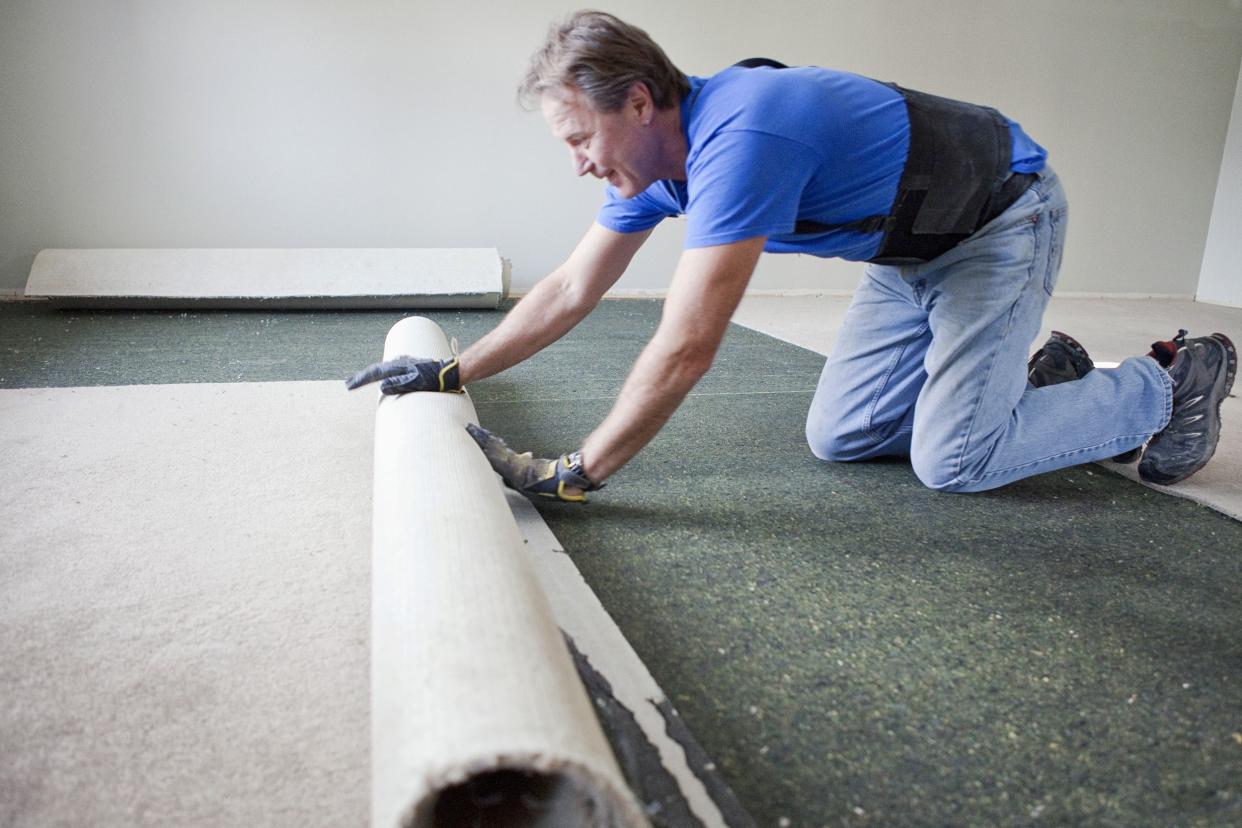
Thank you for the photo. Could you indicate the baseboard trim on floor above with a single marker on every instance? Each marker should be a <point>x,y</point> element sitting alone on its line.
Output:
<point>1168,297</point>
<point>1218,303</point>
<point>18,295</point>
<point>660,293</point>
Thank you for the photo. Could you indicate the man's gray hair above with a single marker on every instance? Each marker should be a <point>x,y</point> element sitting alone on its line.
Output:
<point>602,57</point>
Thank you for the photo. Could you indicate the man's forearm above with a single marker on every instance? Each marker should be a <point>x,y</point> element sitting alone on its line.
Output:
<point>704,293</point>
<point>543,316</point>
<point>555,304</point>
<point>661,379</point>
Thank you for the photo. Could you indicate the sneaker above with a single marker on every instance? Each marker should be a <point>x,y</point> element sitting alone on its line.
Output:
<point>1202,371</point>
<point>1062,359</point>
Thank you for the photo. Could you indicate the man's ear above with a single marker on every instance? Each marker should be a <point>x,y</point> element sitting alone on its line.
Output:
<point>640,101</point>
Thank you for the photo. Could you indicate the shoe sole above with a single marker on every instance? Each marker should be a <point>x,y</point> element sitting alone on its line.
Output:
<point>1231,371</point>
<point>1070,341</point>
<point>1074,345</point>
<point>1067,341</point>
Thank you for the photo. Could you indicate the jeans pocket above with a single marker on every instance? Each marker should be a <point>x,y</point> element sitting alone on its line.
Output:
<point>1056,247</point>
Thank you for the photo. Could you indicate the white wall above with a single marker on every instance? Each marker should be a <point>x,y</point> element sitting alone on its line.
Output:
<point>1220,280</point>
<point>370,123</point>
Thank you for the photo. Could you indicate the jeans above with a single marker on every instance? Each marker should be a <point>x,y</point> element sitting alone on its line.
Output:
<point>931,360</point>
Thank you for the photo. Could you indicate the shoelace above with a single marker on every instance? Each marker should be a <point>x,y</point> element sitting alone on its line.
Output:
<point>1165,351</point>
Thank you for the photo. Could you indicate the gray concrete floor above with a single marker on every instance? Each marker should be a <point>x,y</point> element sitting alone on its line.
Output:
<point>1110,330</point>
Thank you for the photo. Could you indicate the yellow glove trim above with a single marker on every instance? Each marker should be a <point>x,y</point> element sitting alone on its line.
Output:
<point>560,492</point>
<point>448,366</point>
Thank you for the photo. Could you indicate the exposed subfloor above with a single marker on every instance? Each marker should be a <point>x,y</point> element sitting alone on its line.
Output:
<point>849,647</point>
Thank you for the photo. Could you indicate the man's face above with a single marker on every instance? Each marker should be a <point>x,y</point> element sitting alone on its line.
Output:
<point>616,146</point>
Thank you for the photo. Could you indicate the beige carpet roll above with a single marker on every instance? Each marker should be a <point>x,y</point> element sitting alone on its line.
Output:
<point>330,278</point>
<point>478,716</point>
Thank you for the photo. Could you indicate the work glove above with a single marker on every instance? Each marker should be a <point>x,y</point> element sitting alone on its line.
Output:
<point>407,373</point>
<point>532,476</point>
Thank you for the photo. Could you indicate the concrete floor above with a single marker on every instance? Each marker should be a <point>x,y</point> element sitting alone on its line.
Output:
<point>1110,330</point>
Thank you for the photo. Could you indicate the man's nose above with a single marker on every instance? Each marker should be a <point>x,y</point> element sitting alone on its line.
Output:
<point>581,165</point>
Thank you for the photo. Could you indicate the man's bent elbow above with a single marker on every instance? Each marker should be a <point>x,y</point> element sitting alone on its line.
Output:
<point>570,294</point>
<point>687,359</point>
<point>692,367</point>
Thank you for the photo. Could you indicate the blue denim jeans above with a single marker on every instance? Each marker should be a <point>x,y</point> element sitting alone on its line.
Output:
<point>931,360</point>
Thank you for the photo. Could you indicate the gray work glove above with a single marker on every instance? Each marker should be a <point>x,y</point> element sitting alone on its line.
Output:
<point>407,373</point>
<point>532,476</point>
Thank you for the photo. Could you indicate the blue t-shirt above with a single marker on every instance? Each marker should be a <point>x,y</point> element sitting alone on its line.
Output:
<point>769,147</point>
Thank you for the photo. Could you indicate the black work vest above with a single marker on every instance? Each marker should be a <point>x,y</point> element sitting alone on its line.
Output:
<point>956,178</point>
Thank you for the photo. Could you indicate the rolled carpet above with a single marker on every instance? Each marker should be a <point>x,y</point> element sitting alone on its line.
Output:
<point>477,712</point>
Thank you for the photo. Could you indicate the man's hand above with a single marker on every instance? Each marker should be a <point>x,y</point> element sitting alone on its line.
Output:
<point>407,373</point>
<point>562,479</point>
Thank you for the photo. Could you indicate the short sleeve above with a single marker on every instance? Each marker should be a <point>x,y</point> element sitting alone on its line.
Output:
<point>744,184</point>
<point>633,215</point>
<point>1028,156</point>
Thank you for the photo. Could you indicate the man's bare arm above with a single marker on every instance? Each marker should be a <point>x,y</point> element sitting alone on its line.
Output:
<point>706,289</point>
<point>555,304</point>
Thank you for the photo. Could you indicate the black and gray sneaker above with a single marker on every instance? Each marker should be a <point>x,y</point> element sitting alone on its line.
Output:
<point>1202,371</point>
<point>1060,359</point>
<point>1063,359</point>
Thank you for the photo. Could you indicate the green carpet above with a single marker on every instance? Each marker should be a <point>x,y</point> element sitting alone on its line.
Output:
<point>850,648</point>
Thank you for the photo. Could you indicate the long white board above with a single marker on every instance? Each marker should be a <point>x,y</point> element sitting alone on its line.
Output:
<point>445,277</point>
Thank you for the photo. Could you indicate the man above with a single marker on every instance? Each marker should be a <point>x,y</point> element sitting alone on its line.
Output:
<point>953,206</point>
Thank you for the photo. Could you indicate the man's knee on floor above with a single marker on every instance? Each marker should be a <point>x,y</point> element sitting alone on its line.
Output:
<point>829,440</point>
<point>937,468</point>
<point>825,442</point>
